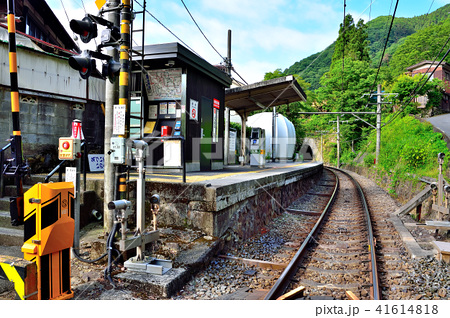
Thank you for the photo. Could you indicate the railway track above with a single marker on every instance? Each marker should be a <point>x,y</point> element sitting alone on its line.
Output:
<point>337,260</point>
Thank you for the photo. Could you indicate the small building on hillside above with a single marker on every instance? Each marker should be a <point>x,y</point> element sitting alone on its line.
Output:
<point>442,73</point>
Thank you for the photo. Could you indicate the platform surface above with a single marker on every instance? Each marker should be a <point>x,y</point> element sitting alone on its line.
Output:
<point>229,174</point>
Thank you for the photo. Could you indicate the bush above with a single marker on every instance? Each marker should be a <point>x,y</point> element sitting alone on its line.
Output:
<point>415,156</point>
<point>369,160</point>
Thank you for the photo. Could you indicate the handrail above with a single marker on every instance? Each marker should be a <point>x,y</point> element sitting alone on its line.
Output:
<point>2,162</point>
<point>183,162</point>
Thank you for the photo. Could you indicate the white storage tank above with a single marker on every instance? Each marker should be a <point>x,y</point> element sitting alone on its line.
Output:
<point>284,136</point>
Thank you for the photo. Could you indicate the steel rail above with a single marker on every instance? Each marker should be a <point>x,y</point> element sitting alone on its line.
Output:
<point>283,281</point>
<point>375,289</point>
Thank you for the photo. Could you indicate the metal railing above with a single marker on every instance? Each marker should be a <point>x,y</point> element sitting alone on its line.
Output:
<point>4,168</point>
<point>183,162</point>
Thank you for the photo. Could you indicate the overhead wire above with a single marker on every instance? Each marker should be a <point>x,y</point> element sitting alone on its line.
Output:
<point>412,94</point>
<point>179,39</point>
<point>170,31</point>
<point>201,31</point>
<point>385,46</point>
<point>425,74</point>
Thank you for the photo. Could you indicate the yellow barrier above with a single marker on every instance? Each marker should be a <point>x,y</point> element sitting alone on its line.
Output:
<point>48,236</point>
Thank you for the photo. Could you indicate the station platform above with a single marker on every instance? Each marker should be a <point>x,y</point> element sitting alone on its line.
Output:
<point>237,198</point>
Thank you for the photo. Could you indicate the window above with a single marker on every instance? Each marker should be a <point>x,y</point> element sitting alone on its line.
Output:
<point>447,76</point>
<point>33,30</point>
<point>135,118</point>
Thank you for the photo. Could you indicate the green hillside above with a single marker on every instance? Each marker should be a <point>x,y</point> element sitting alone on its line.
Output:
<point>426,30</point>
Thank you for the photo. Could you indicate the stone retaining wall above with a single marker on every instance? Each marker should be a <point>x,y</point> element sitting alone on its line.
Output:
<point>239,209</point>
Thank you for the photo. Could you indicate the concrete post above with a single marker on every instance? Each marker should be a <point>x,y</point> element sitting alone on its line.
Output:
<point>377,151</point>
<point>112,92</point>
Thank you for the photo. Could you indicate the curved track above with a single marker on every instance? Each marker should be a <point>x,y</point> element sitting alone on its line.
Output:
<point>337,258</point>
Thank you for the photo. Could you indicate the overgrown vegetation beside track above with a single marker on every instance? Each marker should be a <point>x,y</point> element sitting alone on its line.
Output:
<point>408,151</point>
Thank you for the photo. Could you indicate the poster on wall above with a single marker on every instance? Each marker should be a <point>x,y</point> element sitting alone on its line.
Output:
<point>119,120</point>
<point>163,108</point>
<point>153,111</point>
<point>215,135</point>
<point>215,125</point>
<point>172,108</point>
<point>164,84</point>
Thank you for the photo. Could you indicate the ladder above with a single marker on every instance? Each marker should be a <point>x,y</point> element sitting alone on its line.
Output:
<point>137,83</point>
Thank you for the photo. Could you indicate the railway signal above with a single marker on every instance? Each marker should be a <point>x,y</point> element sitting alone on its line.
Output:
<point>85,63</point>
<point>86,28</point>
<point>111,70</point>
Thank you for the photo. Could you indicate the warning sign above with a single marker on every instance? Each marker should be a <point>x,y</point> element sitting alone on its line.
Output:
<point>193,114</point>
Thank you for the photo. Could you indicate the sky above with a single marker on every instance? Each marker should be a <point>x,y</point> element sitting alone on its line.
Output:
<point>266,34</point>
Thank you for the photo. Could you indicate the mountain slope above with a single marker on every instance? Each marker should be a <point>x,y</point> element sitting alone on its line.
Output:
<point>313,67</point>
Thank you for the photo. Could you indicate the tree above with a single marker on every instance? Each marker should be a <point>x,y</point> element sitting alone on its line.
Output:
<point>352,41</point>
<point>275,74</point>
<point>423,45</point>
<point>408,87</point>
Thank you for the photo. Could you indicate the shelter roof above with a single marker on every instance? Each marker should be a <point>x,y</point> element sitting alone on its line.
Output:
<point>262,95</point>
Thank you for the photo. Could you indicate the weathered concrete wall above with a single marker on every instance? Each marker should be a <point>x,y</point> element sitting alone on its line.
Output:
<point>43,120</point>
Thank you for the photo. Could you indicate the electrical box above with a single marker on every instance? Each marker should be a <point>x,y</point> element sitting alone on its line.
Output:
<point>69,148</point>
<point>118,150</point>
<point>258,147</point>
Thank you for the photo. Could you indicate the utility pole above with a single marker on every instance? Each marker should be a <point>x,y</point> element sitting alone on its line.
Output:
<point>338,142</point>
<point>377,151</point>
<point>226,144</point>
<point>338,126</point>
<point>18,168</point>
<point>111,94</point>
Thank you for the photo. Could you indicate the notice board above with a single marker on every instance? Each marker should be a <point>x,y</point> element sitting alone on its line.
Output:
<point>165,84</point>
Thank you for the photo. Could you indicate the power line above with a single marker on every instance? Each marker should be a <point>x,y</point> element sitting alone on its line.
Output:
<point>148,12</point>
<point>385,46</point>
<point>201,30</point>
<point>239,75</point>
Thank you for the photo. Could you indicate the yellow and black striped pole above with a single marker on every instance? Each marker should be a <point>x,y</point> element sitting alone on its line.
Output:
<point>16,204</point>
<point>125,30</point>
<point>15,108</point>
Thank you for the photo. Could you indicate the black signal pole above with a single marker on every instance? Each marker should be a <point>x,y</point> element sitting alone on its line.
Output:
<point>17,169</point>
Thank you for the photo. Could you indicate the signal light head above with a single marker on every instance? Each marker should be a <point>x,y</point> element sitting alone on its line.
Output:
<point>111,69</point>
<point>82,63</point>
<point>86,28</point>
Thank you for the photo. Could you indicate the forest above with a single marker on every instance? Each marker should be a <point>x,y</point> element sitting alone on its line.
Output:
<point>345,76</point>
